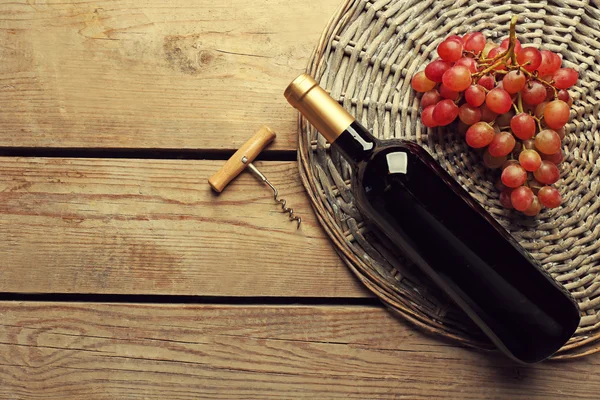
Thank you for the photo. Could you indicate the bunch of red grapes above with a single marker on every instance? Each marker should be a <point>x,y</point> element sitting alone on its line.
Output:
<point>510,101</point>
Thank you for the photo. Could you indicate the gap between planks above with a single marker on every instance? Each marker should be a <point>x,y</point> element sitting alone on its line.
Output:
<point>171,299</point>
<point>138,153</point>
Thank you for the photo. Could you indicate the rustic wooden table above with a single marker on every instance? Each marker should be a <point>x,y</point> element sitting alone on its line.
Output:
<point>124,277</point>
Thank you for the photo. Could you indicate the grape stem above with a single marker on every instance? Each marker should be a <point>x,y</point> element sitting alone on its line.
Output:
<point>488,69</point>
<point>520,103</point>
<point>512,41</point>
<point>502,58</point>
<point>539,122</point>
<point>516,108</point>
<point>508,59</point>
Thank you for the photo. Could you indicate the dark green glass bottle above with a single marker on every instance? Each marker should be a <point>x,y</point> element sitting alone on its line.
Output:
<point>406,196</point>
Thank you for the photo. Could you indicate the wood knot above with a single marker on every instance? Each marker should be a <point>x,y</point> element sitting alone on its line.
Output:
<point>183,54</point>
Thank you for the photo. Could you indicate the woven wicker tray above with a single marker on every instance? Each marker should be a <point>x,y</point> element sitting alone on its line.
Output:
<point>366,57</point>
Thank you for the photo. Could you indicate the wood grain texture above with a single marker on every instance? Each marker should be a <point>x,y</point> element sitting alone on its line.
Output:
<point>156,227</point>
<point>193,74</point>
<point>74,351</point>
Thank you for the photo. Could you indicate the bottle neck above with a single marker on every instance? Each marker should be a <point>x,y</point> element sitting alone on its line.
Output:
<point>355,143</point>
<point>330,118</point>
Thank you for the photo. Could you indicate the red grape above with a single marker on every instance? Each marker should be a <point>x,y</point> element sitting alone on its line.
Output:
<point>445,112</point>
<point>475,42</point>
<point>495,51</point>
<point>420,82</point>
<point>514,82</point>
<point>503,120</point>
<point>430,98</point>
<point>549,93</point>
<point>564,78</point>
<point>550,63</point>
<point>530,160</point>
<point>505,198</point>
<point>518,148</point>
<point>556,114</point>
<point>502,144</point>
<point>555,158</point>
<point>488,47</point>
<point>535,186</point>
<point>427,117</point>
<point>450,50</point>
<point>493,162</point>
<point>461,128</point>
<point>547,141</point>
<point>469,114</point>
<point>487,81</point>
<point>564,95</point>
<point>435,70</point>
<point>446,93</point>
<point>514,175</point>
<point>467,62</point>
<point>547,173</point>
<point>528,108</point>
<point>487,115</point>
<point>539,109</point>
<point>508,163</point>
<point>549,197</point>
<point>505,43</point>
<point>523,126</point>
<point>533,93</point>
<point>479,135</point>
<point>529,144</point>
<point>455,38</point>
<point>498,100</point>
<point>529,58</point>
<point>457,78</point>
<point>467,36</point>
<point>561,133</point>
<point>475,95</point>
<point>499,185</point>
<point>534,209</point>
<point>521,198</point>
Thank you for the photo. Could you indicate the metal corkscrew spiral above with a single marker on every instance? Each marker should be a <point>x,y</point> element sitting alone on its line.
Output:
<point>285,209</point>
<point>282,202</point>
<point>243,159</point>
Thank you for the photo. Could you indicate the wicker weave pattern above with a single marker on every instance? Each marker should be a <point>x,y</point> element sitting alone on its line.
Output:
<point>366,57</point>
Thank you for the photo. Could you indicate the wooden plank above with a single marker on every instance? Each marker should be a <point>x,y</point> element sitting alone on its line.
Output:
<point>73,351</point>
<point>155,227</point>
<point>193,74</point>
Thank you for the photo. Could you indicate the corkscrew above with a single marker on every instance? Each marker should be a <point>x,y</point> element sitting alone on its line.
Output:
<point>243,158</point>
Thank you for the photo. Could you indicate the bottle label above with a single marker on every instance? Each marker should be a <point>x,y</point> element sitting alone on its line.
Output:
<point>397,162</point>
<point>365,145</point>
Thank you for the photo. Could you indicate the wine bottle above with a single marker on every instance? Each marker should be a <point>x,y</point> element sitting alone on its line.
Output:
<point>404,194</point>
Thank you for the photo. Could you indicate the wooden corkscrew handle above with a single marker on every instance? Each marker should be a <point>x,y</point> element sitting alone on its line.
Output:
<point>240,160</point>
